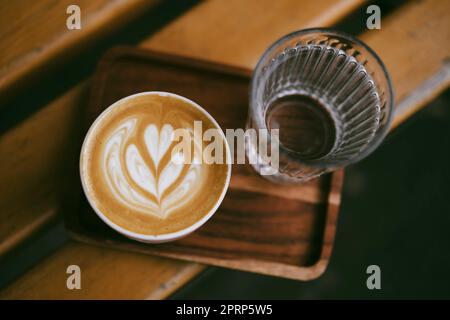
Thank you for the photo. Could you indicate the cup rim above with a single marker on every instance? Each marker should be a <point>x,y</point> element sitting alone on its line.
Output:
<point>139,236</point>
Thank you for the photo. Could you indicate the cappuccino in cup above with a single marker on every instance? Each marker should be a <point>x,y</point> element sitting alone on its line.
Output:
<point>138,180</point>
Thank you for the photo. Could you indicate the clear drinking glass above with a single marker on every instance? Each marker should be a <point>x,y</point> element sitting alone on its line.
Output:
<point>329,95</point>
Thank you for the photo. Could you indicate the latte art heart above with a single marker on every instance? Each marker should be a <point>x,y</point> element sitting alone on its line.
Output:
<point>155,188</point>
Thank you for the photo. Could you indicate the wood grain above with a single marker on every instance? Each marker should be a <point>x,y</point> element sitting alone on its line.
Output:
<point>105,274</point>
<point>34,34</point>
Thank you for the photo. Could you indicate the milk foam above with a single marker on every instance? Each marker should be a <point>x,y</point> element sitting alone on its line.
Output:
<point>137,178</point>
<point>155,188</point>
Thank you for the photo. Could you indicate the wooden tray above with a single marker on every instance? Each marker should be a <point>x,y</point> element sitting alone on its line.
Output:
<point>280,230</point>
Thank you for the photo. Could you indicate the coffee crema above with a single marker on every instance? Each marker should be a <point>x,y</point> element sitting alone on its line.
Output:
<point>129,173</point>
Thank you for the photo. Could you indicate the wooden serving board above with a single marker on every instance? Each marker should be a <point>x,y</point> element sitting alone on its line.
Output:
<point>274,229</point>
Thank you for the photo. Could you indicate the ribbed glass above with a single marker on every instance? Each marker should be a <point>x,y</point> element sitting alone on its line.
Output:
<point>345,90</point>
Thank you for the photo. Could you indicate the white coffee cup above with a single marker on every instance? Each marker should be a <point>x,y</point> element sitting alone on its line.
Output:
<point>145,237</point>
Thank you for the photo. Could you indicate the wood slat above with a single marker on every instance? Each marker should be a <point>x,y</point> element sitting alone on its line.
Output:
<point>414,45</point>
<point>37,156</point>
<point>410,26</point>
<point>238,32</point>
<point>105,274</point>
<point>283,20</point>
<point>34,33</point>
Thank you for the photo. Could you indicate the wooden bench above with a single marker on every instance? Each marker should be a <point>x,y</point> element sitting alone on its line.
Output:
<point>415,55</point>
